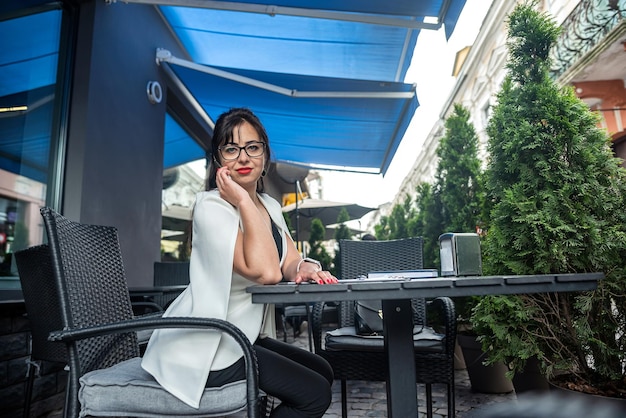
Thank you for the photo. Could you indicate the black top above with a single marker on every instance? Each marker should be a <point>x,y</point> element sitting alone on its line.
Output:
<point>278,239</point>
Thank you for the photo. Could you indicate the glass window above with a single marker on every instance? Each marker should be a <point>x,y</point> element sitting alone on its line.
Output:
<point>29,60</point>
<point>181,182</point>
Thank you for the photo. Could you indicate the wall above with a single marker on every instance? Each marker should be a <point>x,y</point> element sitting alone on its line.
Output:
<point>115,147</point>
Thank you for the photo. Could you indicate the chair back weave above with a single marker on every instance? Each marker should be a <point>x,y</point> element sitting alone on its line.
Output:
<point>361,257</point>
<point>90,278</point>
<point>42,304</point>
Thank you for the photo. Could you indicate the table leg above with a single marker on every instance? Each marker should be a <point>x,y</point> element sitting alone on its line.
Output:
<point>401,386</point>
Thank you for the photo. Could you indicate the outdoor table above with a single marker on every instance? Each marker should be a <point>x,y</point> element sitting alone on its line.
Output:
<point>396,298</point>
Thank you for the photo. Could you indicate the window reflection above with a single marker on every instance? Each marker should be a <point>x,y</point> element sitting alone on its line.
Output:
<point>181,182</point>
<point>28,73</point>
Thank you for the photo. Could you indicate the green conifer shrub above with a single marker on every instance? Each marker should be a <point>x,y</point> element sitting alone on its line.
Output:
<point>557,199</point>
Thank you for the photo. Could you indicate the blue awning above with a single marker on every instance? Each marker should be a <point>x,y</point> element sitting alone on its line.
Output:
<point>355,45</point>
<point>294,45</point>
<point>178,145</point>
<point>362,39</point>
<point>311,121</point>
<point>314,46</point>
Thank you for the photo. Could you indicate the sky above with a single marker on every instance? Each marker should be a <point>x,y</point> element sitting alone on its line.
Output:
<point>431,71</point>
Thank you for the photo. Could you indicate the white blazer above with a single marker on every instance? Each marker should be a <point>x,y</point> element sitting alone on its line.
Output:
<point>180,359</point>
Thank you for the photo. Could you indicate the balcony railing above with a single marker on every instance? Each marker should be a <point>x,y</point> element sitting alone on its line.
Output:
<point>589,23</point>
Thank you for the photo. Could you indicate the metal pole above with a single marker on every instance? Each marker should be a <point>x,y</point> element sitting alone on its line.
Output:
<point>297,184</point>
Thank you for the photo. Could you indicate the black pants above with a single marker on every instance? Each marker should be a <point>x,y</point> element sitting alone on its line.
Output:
<point>300,379</point>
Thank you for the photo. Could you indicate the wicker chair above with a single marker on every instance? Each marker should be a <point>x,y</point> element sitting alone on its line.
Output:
<point>170,273</point>
<point>44,313</point>
<point>294,314</point>
<point>99,331</point>
<point>34,267</point>
<point>434,363</point>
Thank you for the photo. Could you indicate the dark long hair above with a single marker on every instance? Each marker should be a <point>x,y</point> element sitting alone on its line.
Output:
<point>223,134</point>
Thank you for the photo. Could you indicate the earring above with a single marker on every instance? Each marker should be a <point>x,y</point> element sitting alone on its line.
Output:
<point>263,173</point>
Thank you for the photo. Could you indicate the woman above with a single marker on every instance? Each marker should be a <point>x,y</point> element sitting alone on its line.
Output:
<point>239,238</point>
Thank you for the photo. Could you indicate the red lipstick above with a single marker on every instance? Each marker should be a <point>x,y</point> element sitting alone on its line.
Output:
<point>244,170</point>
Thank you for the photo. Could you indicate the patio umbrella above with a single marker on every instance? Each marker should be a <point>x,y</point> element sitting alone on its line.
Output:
<point>331,229</point>
<point>329,232</point>
<point>325,210</point>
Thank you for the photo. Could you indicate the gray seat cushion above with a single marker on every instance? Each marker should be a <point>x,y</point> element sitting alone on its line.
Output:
<point>425,339</point>
<point>127,390</point>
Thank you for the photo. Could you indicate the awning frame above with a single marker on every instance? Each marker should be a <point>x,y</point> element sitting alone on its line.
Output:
<point>188,95</point>
<point>165,56</point>
<point>301,12</point>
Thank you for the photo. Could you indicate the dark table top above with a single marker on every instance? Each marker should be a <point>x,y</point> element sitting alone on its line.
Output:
<point>424,288</point>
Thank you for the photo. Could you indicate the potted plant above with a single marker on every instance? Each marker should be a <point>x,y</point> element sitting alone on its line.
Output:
<point>485,377</point>
<point>454,203</point>
<point>505,327</point>
<point>557,196</point>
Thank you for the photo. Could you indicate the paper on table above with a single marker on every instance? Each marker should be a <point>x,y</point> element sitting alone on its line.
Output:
<point>393,275</point>
<point>402,274</point>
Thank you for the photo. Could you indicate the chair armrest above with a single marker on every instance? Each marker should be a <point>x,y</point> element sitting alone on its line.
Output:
<point>445,307</point>
<point>155,322</point>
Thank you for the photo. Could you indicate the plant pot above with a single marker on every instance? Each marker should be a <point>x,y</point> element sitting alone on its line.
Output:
<point>483,379</point>
<point>604,406</point>
<point>530,379</point>
<point>459,360</point>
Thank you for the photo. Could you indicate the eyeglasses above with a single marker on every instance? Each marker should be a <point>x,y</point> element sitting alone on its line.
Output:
<point>231,152</point>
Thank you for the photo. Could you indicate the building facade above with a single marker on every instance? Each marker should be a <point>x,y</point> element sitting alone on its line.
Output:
<point>590,55</point>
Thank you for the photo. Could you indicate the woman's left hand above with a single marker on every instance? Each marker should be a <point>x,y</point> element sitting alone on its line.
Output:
<point>314,275</point>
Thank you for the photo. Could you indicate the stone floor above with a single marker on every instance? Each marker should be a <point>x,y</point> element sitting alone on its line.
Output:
<point>368,399</point>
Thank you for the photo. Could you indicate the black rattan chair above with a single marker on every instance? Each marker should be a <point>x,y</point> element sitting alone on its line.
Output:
<point>294,314</point>
<point>44,313</point>
<point>170,273</point>
<point>434,357</point>
<point>99,330</point>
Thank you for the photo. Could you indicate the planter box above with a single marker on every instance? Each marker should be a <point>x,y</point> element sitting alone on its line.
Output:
<point>603,406</point>
<point>530,379</point>
<point>459,360</point>
<point>484,379</point>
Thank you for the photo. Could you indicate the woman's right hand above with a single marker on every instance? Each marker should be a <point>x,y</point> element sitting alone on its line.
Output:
<point>229,190</point>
